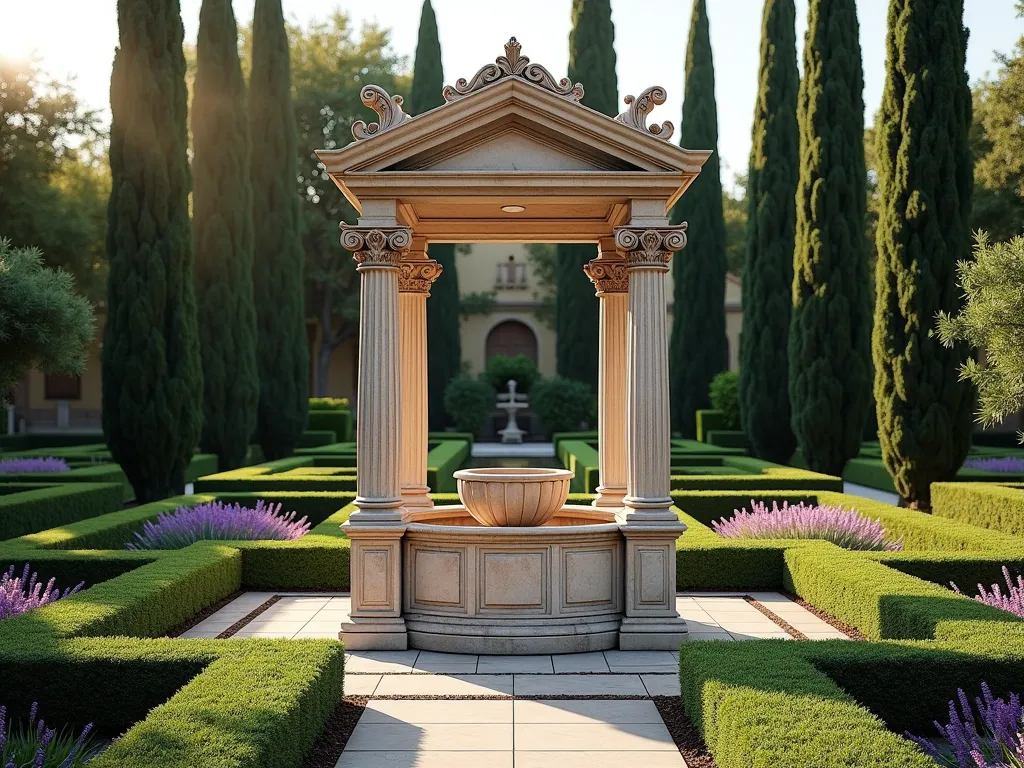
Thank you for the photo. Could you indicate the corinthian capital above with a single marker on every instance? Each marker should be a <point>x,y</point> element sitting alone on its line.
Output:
<point>418,276</point>
<point>376,246</point>
<point>608,275</point>
<point>650,246</point>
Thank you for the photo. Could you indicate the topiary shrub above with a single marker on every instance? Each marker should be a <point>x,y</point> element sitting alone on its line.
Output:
<point>329,404</point>
<point>501,368</point>
<point>467,402</point>
<point>725,397</point>
<point>562,404</point>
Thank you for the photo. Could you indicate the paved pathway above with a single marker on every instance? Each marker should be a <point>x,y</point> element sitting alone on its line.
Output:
<point>499,722</point>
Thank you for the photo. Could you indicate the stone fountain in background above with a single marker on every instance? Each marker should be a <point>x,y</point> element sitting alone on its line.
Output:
<point>510,402</point>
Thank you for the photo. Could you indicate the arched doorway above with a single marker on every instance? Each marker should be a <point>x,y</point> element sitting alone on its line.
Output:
<point>511,337</point>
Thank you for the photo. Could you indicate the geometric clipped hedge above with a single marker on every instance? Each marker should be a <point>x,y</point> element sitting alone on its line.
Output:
<point>339,422</point>
<point>29,507</point>
<point>998,507</point>
<point>443,460</point>
<point>715,470</point>
<point>836,703</point>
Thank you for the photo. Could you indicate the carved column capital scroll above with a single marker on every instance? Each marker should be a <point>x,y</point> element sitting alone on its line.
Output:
<point>650,247</point>
<point>608,275</point>
<point>418,276</point>
<point>380,247</point>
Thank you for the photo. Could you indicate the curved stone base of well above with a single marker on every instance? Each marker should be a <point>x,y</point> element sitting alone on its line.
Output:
<point>526,638</point>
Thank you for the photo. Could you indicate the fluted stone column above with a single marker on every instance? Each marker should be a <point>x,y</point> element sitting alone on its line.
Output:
<point>417,274</point>
<point>377,526</point>
<point>646,519</point>
<point>608,274</point>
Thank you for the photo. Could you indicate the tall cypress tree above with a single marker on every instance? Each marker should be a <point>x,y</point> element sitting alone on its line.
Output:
<point>278,287</point>
<point>223,238</point>
<point>699,345</point>
<point>592,63</point>
<point>830,330</point>
<point>152,376</point>
<point>925,173</point>
<point>768,269</point>
<point>444,345</point>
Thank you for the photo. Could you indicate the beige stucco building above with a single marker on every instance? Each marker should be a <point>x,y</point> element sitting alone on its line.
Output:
<point>504,269</point>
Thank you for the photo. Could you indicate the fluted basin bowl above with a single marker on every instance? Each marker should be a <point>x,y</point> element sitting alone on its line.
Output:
<point>515,497</point>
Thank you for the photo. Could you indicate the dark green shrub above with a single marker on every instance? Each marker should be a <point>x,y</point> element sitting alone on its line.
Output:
<point>467,401</point>
<point>501,368</point>
<point>562,404</point>
<point>725,397</point>
<point>329,404</point>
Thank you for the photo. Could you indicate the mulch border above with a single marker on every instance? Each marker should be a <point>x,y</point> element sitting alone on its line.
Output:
<point>847,629</point>
<point>204,614</point>
<point>684,733</point>
<point>337,731</point>
<point>248,617</point>
<point>778,620</point>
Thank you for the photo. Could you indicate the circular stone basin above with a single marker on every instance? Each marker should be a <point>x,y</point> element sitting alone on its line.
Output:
<point>518,497</point>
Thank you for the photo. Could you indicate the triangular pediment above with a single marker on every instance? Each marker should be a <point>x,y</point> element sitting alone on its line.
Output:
<point>513,145</point>
<point>511,114</point>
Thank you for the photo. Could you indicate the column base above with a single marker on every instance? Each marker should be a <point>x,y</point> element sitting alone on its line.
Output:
<point>661,633</point>
<point>609,497</point>
<point>374,634</point>
<point>415,497</point>
<point>647,511</point>
<point>378,511</point>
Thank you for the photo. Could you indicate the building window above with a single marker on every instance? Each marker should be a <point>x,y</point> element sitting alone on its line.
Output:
<point>60,386</point>
<point>511,275</point>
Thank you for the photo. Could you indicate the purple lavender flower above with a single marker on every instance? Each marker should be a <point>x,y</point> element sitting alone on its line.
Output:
<point>1012,601</point>
<point>48,464</point>
<point>996,744</point>
<point>41,747</point>
<point>18,595</point>
<point>994,464</point>
<point>219,521</point>
<point>843,527</point>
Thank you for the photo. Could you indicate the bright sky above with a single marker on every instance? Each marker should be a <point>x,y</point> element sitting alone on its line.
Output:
<point>78,37</point>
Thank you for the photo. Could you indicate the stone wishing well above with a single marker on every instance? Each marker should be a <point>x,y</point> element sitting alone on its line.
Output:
<point>512,156</point>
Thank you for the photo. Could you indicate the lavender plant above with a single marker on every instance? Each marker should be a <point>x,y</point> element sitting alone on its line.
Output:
<point>18,595</point>
<point>218,521</point>
<point>997,464</point>
<point>48,464</point>
<point>844,527</point>
<point>992,740</point>
<point>1012,601</point>
<point>37,746</point>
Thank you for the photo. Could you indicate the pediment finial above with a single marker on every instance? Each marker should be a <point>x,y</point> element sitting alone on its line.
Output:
<point>384,104</point>
<point>640,107</point>
<point>513,64</point>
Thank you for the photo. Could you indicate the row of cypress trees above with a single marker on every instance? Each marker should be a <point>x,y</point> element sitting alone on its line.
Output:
<point>204,342</point>
<point>820,343</point>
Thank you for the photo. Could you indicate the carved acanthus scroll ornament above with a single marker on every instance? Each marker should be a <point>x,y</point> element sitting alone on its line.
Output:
<point>512,64</point>
<point>650,246</point>
<point>376,246</point>
<point>608,275</point>
<point>384,104</point>
<point>640,107</point>
<point>418,276</point>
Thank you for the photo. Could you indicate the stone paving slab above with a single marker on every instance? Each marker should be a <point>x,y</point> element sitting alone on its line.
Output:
<point>431,737</point>
<point>620,737</point>
<point>609,759</point>
<point>446,685</point>
<point>425,711</point>
<point>584,711</point>
<point>579,685</point>
<point>661,685</point>
<point>467,759</point>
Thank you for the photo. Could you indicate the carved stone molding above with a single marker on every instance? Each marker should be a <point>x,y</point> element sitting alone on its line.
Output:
<point>650,246</point>
<point>376,246</point>
<point>640,107</point>
<point>607,275</point>
<point>418,276</point>
<point>384,104</point>
<point>512,64</point>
